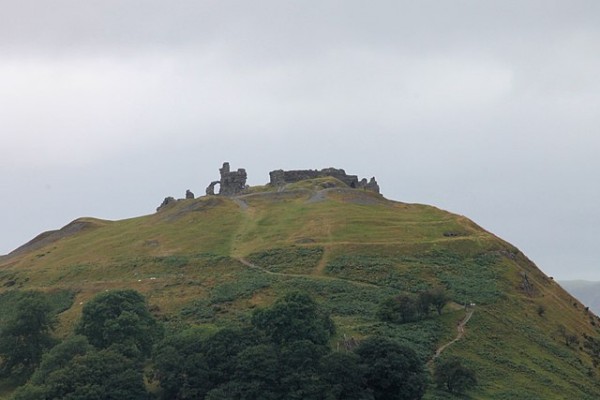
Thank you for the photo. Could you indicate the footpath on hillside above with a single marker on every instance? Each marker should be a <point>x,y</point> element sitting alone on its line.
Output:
<point>306,276</point>
<point>460,328</point>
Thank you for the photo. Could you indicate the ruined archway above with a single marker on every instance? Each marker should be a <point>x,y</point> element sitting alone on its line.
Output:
<point>210,190</point>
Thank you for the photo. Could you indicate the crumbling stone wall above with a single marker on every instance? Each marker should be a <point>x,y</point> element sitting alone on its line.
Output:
<point>167,201</point>
<point>234,182</point>
<point>231,182</point>
<point>371,185</point>
<point>280,177</point>
<point>210,190</point>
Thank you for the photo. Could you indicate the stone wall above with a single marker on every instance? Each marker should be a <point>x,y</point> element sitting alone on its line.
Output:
<point>231,182</point>
<point>280,177</point>
<point>167,201</point>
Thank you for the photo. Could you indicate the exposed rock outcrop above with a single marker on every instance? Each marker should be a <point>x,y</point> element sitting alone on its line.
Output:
<point>189,194</point>
<point>166,202</point>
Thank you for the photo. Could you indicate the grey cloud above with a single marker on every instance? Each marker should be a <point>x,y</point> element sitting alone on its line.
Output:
<point>485,108</point>
<point>290,26</point>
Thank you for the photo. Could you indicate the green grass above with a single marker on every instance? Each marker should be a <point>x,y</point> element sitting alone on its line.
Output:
<point>469,279</point>
<point>295,260</point>
<point>58,300</point>
<point>246,284</point>
<point>350,250</point>
<point>509,341</point>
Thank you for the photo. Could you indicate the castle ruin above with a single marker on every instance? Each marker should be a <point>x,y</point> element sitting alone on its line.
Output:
<point>280,177</point>
<point>234,182</point>
<point>231,182</point>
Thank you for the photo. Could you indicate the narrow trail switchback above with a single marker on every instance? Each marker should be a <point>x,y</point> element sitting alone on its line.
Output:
<point>460,328</point>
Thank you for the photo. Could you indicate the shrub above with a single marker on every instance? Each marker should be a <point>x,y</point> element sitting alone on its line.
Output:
<point>452,376</point>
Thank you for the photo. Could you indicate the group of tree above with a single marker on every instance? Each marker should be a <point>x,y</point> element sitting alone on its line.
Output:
<point>104,360</point>
<point>282,353</point>
<point>26,335</point>
<point>410,308</point>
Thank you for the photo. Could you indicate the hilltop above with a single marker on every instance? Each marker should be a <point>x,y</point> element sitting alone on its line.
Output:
<point>211,260</point>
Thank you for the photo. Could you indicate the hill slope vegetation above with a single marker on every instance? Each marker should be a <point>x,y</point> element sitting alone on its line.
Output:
<point>586,291</point>
<point>211,261</point>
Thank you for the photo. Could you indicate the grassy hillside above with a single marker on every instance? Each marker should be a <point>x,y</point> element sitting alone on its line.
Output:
<point>586,291</point>
<point>212,260</point>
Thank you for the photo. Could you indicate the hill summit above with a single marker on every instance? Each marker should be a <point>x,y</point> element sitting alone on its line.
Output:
<point>232,183</point>
<point>210,261</point>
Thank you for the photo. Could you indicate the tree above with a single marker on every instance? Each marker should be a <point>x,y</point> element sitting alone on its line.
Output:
<point>392,371</point>
<point>278,357</point>
<point>439,298</point>
<point>453,376</point>
<point>408,308</point>
<point>424,302</point>
<point>295,317</point>
<point>180,366</point>
<point>119,318</point>
<point>344,378</point>
<point>222,348</point>
<point>96,375</point>
<point>26,336</point>
<point>400,309</point>
<point>299,363</point>
<point>193,363</point>
<point>257,376</point>
<point>388,311</point>
<point>59,356</point>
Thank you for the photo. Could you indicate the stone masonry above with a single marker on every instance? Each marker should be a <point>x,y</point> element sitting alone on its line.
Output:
<point>280,177</point>
<point>231,182</point>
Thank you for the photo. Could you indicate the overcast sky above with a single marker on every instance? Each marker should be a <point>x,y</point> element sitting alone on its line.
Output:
<point>490,109</point>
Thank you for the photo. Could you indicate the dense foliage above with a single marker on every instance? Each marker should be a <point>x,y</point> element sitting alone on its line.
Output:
<point>26,335</point>
<point>94,375</point>
<point>119,318</point>
<point>284,354</point>
<point>392,371</point>
<point>454,377</point>
<point>405,308</point>
<point>295,317</point>
<point>105,361</point>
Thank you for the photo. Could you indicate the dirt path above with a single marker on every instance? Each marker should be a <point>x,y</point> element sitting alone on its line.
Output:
<point>307,276</point>
<point>320,268</point>
<point>460,328</point>
<point>241,203</point>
